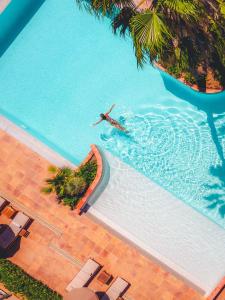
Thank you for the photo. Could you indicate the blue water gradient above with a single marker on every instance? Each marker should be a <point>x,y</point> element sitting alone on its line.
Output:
<point>66,67</point>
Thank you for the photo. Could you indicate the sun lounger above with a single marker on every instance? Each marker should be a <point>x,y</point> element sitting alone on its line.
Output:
<point>116,290</point>
<point>86,274</point>
<point>9,235</point>
<point>3,294</point>
<point>3,203</point>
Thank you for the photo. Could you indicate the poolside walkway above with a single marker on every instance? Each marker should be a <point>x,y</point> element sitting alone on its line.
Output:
<point>60,241</point>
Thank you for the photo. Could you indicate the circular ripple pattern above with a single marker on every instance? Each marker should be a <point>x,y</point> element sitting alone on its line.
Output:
<point>174,148</point>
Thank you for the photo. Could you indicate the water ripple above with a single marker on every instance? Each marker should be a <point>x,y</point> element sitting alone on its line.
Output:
<point>171,146</point>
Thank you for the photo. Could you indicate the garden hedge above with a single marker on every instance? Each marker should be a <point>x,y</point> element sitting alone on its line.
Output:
<point>19,282</point>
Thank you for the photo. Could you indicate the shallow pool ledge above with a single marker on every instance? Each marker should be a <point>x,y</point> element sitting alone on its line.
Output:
<point>163,227</point>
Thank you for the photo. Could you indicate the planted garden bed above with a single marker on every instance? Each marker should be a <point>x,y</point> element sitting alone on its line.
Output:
<point>23,285</point>
<point>71,186</point>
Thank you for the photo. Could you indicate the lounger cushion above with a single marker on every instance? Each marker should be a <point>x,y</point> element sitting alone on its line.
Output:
<point>116,289</point>
<point>16,224</point>
<point>20,219</point>
<point>88,271</point>
<point>90,266</point>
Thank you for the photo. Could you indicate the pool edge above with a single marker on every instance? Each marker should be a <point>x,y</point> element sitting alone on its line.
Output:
<point>33,143</point>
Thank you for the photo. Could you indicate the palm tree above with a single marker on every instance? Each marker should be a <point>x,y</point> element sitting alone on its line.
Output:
<point>182,31</point>
<point>155,30</point>
<point>104,7</point>
<point>66,184</point>
<point>189,33</point>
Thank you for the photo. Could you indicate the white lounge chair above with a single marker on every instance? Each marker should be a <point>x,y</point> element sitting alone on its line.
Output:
<point>86,274</point>
<point>116,289</point>
<point>9,235</point>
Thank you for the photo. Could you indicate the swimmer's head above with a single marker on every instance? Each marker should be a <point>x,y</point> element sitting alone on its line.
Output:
<point>103,116</point>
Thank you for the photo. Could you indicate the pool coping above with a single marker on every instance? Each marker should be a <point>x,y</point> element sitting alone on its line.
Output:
<point>218,289</point>
<point>43,150</point>
<point>33,143</point>
<point>80,207</point>
<point>194,87</point>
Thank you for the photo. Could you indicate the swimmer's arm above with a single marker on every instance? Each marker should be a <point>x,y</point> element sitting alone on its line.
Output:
<point>97,122</point>
<point>108,112</point>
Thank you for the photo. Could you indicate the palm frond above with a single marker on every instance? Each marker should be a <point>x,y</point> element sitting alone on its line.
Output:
<point>140,54</point>
<point>47,190</point>
<point>222,7</point>
<point>103,7</point>
<point>186,8</point>
<point>149,33</point>
<point>52,169</point>
<point>121,21</point>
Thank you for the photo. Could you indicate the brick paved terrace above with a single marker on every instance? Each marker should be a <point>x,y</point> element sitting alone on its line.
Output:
<point>61,241</point>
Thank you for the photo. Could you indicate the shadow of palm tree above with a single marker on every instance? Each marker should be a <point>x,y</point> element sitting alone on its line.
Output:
<point>217,191</point>
<point>214,107</point>
<point>215,138</point>
<point>217,195</point>
<point>216,198</point>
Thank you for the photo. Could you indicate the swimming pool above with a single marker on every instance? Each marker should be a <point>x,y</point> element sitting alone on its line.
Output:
<point>65,67</point>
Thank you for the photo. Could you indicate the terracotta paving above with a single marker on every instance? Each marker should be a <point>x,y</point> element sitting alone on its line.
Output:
<point>48,254</point>
<point>221,296</point>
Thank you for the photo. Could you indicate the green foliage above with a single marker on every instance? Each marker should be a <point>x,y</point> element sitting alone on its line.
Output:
<point>52,169</point>
<point>149,32</point>
<point>188,33</point>
<point>188,77</point>
<point>103,7</point>
<point>222,7</point>
<point>187,8</point>
<point>19,282</point>
<point>70,185</point>
<point>174,70</point>
<point>88,171</point>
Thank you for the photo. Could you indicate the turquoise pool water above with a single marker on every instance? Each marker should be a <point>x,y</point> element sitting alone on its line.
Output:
<point>65,67</point>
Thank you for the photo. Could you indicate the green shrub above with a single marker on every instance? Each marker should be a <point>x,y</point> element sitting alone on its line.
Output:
<point>88,171</point>
<point>174,70</point>
<point>70,185</point>
<point>19,282</point>
<point>188,77</point>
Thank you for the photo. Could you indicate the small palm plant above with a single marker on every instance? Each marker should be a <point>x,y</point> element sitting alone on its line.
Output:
<point>67,184</point>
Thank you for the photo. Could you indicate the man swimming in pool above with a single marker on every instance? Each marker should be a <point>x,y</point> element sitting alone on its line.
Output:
<point>106,117</point>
